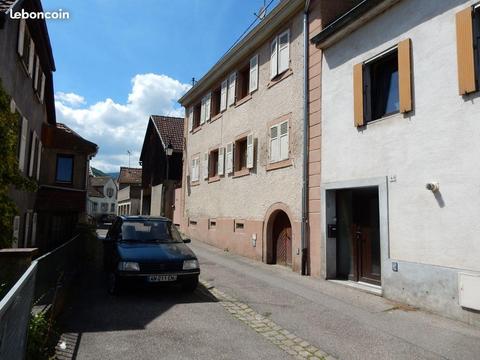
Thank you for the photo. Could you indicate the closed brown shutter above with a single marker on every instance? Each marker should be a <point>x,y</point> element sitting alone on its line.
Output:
<point>358,95</point>
<point>405,75</point>
<point>465,57</point>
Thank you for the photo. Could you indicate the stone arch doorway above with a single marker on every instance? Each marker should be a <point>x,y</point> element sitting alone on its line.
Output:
<point>279,239</point>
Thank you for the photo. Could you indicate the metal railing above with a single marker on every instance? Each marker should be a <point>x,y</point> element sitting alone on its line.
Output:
<point>44,283</point>
<point>15,310</point>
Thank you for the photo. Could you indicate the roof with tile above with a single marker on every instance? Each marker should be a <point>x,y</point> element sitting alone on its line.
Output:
<point>170,130</point>
<point>130,175</point>
<point>6,4</point>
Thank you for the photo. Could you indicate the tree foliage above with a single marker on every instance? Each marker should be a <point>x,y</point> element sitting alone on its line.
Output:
<point>10,175</point>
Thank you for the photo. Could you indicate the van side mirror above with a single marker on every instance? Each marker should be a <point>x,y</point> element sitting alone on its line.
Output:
<point>187,241</point>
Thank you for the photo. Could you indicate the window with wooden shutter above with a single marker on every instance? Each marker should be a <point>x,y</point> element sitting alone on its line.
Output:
<point>250,151</point>
<point>229,159</point>
<point>284,141</point>
<point>26,232</point>
<point>42,88</point>
<point>21,37</point>
<point>16,228</point>
<point>36,76</point>
<point>465,52</point>
<point>203,111</point>
<point>273,58</point>
<point>223,95</point>
<point>221,161</point>
<point>405,75</point>
<point>231,88</point>
<point>253,83</point>
<point>208,103</point>
<point>34,229</point>
<point>39,159</point>
<point>205,166</point>
<point>283,51</point>
<point>358,95</point>
<point>274,144</point>
<point>31,160</point>
<point>23,144</point>
<point>31,58</point>
<point>190,119</point>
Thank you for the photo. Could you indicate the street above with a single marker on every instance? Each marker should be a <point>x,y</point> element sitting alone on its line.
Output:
<point>249,310</point>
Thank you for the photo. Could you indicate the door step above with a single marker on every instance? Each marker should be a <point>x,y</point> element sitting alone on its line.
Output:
<point>363,286</point>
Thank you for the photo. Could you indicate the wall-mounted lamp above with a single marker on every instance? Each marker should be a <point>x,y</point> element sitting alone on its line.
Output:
<point>433,186</point>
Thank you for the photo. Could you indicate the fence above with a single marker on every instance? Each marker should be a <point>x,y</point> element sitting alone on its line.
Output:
<point>43,283</point>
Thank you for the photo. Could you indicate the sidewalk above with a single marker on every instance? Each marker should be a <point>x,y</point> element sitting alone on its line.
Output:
<point>344,322</point>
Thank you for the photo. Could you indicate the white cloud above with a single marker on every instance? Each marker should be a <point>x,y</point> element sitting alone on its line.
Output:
<point>70,98</point>
<point>115,127</point>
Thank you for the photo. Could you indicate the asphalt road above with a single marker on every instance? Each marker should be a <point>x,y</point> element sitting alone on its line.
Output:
<point>325,318</point>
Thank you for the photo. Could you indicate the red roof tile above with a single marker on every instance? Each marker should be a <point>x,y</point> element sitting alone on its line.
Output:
<point>130,175</point>
<point>170,130</point>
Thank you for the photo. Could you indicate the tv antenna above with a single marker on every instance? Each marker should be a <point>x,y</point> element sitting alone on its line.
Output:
<point>262,12</point>
<point>129,154</point>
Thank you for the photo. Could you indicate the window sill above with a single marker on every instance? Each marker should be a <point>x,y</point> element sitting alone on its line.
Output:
<point>386,117</point>
<point>243,100</point>
<point>279,164</point>
<point>195,183</point>
<point>197,129</point>
<point>213,179</point>
<point>240,173</point>
<point>216,117</point>
<point>279,78</point>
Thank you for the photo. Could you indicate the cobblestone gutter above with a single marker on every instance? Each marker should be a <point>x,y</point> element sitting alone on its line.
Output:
<point>284,339</point>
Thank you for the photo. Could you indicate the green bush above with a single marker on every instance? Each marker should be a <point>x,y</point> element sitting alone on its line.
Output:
<point>41,337</point>
<point>10,175</point>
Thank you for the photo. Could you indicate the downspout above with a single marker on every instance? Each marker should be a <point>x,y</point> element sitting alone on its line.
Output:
<point>304,229</point>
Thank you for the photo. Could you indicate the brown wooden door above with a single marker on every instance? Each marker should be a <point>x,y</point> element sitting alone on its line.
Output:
<point>284,247</point>
<point>368,259</point>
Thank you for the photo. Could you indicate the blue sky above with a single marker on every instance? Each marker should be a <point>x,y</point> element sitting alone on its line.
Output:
<point>120,60</point>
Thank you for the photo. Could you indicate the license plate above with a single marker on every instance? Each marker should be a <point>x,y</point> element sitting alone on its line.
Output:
<point>161,278</point>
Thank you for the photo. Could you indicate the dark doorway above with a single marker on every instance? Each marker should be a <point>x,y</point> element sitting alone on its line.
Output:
<point>358,239</point>
<point>282,239</point>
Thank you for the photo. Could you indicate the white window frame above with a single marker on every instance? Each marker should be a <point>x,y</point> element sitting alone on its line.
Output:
<point>21,37</point>
<point>195,167</point>
<point>42,88</point>
<point>284,50</point>
<point>39,159</point>
<point>232,81</point>
<point>229,158</point>
<point>31,161</point>
<point>23,144</point>
<point>253,78</point>
<point>223,95</point>
<point>221,161</point>
<point>278,65</point>
<point>283,140</point>
<point>31,57</point>
<point>250,151</point>
<point>190,118</point>
<point>205,165</point>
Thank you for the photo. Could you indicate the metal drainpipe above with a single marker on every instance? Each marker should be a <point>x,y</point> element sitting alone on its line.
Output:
<point>304,229</point>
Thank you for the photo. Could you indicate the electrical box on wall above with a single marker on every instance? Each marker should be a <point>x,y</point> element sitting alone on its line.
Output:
<point>469,290</point>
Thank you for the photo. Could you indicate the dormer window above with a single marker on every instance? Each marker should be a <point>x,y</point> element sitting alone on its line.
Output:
<point>109,192</point>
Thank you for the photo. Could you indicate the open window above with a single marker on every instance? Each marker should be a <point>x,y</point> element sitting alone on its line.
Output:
<point>213,164</point>
<point>243,155</point>
<point>216,101</point>
<point>280,54</point>
<point>243,82</point>
<point>382,85</point>
<point>196,115</point>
